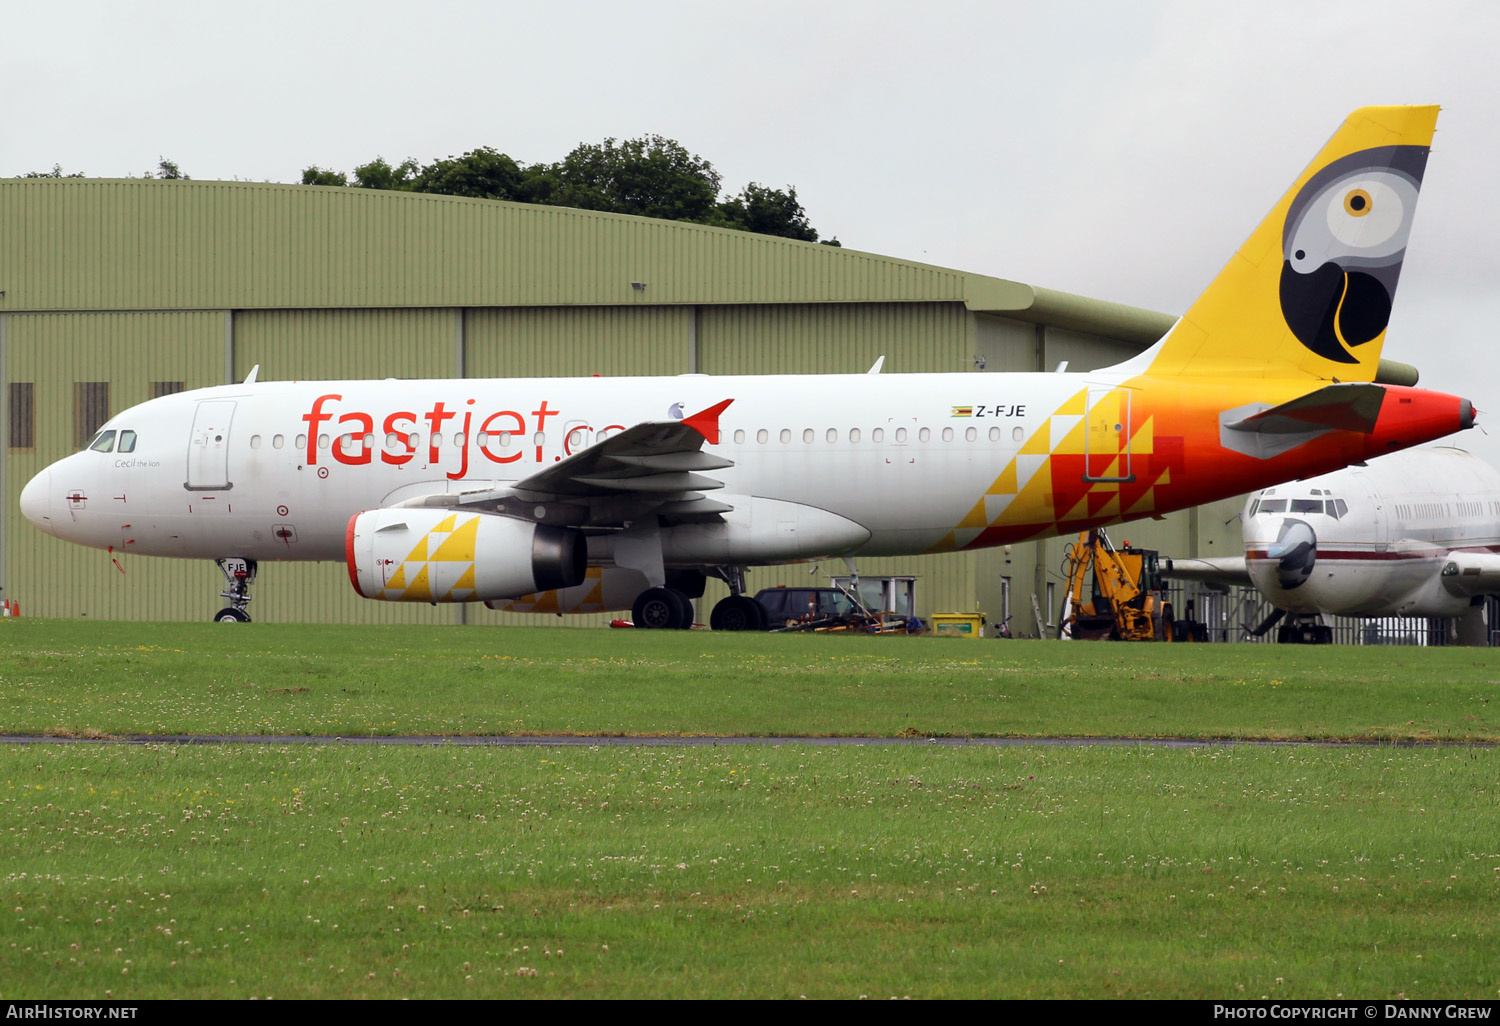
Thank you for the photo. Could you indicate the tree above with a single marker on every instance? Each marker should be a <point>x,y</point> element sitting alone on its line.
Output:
<point>56,172</point>
<point>651,176</point>
<point>315,175</point>
<point>768,211</point>
<point>485,173</point>
<point>168,169</point>
<point>378,174</point>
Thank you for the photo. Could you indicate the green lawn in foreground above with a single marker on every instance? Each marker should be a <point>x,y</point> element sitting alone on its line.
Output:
<point>326,871</point>
<point>330,871</point>
<point>115,678</point>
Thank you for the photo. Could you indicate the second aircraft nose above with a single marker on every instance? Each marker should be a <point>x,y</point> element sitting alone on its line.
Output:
<point>36,500</point>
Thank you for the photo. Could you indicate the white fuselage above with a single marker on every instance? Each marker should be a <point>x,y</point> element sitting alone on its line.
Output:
<point>275,470</point>
<point>1375,540</point>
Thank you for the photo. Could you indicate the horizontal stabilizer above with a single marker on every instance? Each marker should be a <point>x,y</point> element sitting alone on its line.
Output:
<point>1354,406</point>
<point>1224,570</point>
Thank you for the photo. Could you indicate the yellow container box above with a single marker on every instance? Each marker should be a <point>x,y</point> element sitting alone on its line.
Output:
<point>957,625</point>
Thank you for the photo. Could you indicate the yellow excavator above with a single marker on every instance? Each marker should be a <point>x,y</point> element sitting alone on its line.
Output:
<point>1124,599</point>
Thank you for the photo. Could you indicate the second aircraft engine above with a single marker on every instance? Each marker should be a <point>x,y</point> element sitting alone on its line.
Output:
<point>438,555</point>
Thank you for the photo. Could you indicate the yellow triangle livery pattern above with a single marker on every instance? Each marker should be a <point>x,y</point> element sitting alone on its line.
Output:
<point>1022,494</point>
<point>440,566</point>
<point>587,597</point>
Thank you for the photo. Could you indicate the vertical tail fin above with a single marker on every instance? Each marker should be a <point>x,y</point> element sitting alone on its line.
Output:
<point>1310,293</point>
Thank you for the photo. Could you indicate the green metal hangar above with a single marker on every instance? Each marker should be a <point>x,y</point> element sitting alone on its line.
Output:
<point>118,291</point>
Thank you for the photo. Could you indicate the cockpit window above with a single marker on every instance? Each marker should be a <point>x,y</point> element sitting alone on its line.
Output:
<point>104,443</point>
<point>127,442</point>
<point>1273,505</point>
<point>1342,507</point>
<point>1307,505</point>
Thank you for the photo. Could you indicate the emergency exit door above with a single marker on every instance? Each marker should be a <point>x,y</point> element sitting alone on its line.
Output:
<point>208,446</point>
<point>1106,441</point>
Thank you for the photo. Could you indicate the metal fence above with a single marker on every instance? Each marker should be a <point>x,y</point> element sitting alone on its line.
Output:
<point>1231,616</point>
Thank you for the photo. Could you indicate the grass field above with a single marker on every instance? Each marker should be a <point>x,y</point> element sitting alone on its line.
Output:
<point>780,871</point>
<point>79,678</point>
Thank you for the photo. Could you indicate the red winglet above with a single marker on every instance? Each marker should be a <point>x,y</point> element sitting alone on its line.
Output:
<point>706,422</point>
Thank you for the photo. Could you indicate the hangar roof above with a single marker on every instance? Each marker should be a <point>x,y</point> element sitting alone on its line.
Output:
<point>148,244</point>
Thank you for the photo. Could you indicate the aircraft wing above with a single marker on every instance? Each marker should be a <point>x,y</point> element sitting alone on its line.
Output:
<point>654,466</point>
<point>1472,573</point>
<point>1225,570</point>
<point>654,458</point>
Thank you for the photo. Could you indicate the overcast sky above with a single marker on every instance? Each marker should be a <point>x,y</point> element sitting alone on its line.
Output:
<point>1117,150</point>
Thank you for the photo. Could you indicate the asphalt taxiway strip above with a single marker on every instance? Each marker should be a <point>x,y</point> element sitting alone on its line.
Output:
<point>669,741</point>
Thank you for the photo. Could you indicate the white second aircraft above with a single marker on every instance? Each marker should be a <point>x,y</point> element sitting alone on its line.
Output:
<point>1415,533</point>
<point>577,495</point>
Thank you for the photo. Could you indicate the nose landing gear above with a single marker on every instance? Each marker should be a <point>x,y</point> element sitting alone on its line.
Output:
<point>239,573</point>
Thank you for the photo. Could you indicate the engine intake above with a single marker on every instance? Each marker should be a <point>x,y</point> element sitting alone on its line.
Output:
<point>437,555</point>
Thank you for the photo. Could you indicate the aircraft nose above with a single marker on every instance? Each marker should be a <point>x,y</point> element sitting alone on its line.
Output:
<point>36,500</point>
<point>1296,549</point>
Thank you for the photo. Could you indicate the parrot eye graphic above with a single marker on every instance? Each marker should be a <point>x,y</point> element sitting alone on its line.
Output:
<point>1357,203</point>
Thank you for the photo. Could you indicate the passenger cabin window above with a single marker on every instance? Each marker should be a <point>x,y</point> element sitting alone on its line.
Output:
<point>104,443</point>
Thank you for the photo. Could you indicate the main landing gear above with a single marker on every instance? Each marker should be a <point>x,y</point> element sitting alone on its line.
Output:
<point>671,608</point>
<point>662,609</point>
<point>1304,631</point>
<point>738,611</point>
<point>239,573</point>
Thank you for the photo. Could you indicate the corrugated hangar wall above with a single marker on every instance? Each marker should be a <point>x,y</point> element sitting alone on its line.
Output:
<point>559,303</point>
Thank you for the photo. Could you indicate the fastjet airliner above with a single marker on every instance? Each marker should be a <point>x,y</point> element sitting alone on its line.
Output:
<point>581,495</point>
<point>1415,533</point>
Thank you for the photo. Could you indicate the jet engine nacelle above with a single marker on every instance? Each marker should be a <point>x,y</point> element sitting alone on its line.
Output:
<point>1467,574</point>
<point>437,555</point>
<point>604,589</point>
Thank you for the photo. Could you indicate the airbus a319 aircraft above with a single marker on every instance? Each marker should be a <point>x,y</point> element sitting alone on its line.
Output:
<point>1415,533</point>
<point>579,495</point>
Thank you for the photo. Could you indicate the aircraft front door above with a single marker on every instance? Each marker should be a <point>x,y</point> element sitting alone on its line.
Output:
<point>208,447</point>
<point>1107,439</point>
